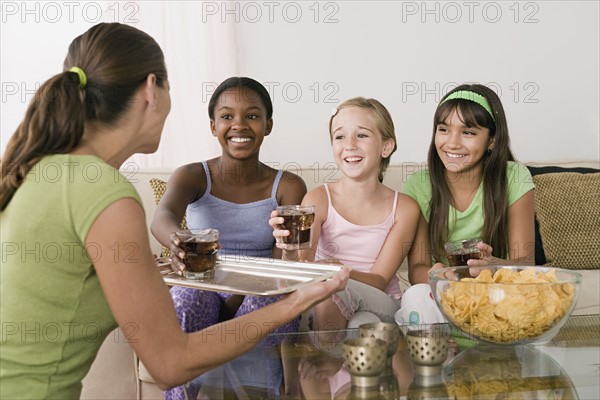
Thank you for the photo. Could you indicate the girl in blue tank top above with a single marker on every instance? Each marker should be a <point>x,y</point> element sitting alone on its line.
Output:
<point>234,193</point>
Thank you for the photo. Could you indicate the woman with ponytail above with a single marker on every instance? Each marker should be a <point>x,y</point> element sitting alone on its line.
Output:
<point>76,260</point>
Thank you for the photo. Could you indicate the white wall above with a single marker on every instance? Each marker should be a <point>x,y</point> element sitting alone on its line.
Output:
<point>546,70</point>
<point>542,58</point>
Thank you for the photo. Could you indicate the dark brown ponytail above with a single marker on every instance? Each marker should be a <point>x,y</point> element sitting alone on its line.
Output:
<point>116,59</point>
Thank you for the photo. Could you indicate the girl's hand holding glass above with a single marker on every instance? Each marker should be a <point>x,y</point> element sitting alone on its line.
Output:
<point>177,254</point>
<point>487,258</point>
<point>276,223</point>
<point>438,266</point>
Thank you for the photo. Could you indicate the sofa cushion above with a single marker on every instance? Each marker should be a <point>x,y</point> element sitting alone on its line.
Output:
<point>567,208</point>
<point>159,188</point>
<point>540,257</point>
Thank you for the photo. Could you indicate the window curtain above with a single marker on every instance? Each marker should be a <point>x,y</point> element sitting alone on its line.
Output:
<point>207,54</point>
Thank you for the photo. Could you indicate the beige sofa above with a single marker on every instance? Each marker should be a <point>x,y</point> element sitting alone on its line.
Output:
<point>115,374</point>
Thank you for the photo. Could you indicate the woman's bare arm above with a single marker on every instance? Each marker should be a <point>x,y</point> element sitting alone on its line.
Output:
<point>138,297</point>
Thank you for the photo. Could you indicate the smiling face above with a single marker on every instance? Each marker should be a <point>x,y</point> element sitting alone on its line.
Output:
<point>461,148</point>
<point>240,122</point>
<point>357,144</point>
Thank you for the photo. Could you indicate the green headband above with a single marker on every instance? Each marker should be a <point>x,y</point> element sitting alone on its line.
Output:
<point>81,74</point>
<point>471,96</point>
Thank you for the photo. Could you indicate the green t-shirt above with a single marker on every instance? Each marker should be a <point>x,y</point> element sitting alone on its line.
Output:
<point>469,223</point>
<point>53,312</point>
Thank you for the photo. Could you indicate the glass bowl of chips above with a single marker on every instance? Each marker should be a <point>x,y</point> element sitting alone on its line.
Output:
<point>506,305</point>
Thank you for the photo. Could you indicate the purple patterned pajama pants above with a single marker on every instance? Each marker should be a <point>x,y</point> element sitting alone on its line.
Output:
<point>199,309</point>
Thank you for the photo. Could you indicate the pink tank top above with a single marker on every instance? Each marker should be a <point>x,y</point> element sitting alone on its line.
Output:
<point>356,246</point>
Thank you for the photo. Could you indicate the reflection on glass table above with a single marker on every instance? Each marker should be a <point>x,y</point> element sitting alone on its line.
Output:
<point>523,372</point>
<point>312,368</point>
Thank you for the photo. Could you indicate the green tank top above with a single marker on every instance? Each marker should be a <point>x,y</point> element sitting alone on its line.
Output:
<point>53,312</point>
<point>468,223</point>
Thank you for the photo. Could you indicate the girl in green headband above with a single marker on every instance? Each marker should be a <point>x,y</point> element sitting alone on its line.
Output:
<point>473,187</point>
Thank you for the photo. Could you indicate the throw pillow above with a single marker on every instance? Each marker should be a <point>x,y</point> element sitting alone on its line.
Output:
<point>540,257</point>
<point>159,187</point>
<point>567,208</point>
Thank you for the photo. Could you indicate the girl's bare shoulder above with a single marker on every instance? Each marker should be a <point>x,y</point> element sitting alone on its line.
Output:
<point>407,206</point>
<point>189,178</point>
<point>318,197</point>
<point>318,193</point>
<point>190,169</point>
<point>292,188</point>
<point>289,179</point>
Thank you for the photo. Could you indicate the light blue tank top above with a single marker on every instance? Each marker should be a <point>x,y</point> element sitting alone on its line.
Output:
<point>244,230</point>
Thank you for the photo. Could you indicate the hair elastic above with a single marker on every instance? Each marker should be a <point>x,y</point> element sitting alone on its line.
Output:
<point>81,74</point>
<point>471,96</point>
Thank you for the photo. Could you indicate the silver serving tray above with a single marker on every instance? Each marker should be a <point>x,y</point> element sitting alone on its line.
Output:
<point>258,277</point>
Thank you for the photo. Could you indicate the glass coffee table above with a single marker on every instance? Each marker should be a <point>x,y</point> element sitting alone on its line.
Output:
<point>568,367</point>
